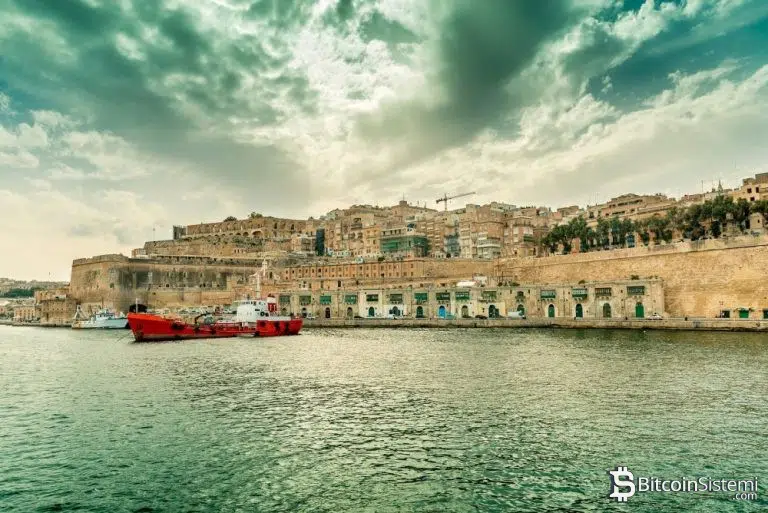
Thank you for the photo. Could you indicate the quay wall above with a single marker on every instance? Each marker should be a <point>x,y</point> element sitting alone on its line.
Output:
<point>679,324</point>
<point>700,279</point>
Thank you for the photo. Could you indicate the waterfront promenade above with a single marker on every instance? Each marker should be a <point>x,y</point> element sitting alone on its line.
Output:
<point>679,324</point>
<point>694,324</point>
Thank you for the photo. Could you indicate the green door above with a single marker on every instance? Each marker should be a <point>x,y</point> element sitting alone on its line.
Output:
<point>551,311</point>
<point>579,311</point>
<point>743,314</point>
<point>639,311</point>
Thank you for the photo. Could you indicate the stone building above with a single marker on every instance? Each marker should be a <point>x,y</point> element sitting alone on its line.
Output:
<point>55,306</point>
<point>331,275</point>
<point>25,313</point>
<point>610,299</point>
<point>752,189</point>
<point>404,242</point>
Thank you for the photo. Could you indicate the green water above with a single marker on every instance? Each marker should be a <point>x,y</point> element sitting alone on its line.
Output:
<point>377,420</point>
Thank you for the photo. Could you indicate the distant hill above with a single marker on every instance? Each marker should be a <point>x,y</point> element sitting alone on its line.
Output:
<point>21,288</point>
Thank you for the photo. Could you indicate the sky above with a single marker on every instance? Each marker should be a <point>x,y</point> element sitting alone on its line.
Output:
<point>121,118</point>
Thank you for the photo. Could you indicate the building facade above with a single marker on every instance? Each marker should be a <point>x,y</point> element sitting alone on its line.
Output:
<point>631,299</point>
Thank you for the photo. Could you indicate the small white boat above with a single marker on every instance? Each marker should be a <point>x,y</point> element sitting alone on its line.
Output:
<point>103,319</point>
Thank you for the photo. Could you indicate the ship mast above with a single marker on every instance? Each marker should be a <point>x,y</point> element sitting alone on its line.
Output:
<point>258,274</point>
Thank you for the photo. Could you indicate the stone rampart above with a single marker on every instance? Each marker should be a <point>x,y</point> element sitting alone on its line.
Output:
<point>117,281</point>
<point>700,278</point>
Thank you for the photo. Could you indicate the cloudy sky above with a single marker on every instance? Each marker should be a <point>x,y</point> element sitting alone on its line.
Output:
<point>123,117</point>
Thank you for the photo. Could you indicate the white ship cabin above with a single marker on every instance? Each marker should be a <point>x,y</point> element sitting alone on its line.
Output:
<point>251,310</point>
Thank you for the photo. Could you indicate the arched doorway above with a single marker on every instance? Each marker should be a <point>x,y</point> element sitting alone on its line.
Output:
<point>327,312</point>
<point>579,311</point>
<point>551,311</point>
<point>639,310</point>
<point>607,310</point>
<point>521,309</point>
<point>493,312</point>
<point>465,311</point>
<point>350,313</point>
<point>395,311</point>
<point>441,312</point>
<point>137,308</point>
<point>419,312</point>
<point>371,311</point>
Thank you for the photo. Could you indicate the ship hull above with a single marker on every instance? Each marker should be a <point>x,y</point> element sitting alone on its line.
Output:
<point>154,328</point>
<point>106,324</point>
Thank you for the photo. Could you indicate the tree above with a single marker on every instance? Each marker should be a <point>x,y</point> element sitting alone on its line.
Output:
<point>254,215</point>
<point>759,207</point>
<point>603,228</point>
<point>692,228</point>
<point>741,211</point>
<point>641,227</point>
<point>577,229</point>
<point>230,218</point>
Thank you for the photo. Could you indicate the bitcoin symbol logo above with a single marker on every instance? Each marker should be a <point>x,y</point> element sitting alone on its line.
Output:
<point>622,478</point>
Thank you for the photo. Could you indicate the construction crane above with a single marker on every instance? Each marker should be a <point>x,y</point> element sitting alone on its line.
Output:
<point>445,198</point>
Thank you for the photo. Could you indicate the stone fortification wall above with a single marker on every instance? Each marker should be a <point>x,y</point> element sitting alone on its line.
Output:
<point>332,275</point>
<point>117,281</point>
<point>700,278</point>
<point>260,227</point>
<point>239,247</point>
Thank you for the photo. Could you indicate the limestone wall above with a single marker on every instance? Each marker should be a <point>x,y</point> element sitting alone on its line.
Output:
<point>700,279</point>
<point>116,281</point>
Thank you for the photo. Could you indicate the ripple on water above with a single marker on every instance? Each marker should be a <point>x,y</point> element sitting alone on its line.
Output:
<point>375,420</point>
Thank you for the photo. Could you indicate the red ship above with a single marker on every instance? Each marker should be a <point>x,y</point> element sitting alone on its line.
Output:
<point>255,318</point>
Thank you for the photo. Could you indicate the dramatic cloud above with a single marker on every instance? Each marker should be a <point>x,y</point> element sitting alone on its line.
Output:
<point>117,117</point>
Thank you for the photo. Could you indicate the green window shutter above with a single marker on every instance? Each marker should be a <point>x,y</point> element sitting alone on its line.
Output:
<point>579,293</point>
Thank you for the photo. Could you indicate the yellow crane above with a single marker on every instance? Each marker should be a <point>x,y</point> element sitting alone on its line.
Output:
<point>445,198</point>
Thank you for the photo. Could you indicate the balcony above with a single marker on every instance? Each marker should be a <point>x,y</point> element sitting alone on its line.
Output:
<point>548,294</point>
